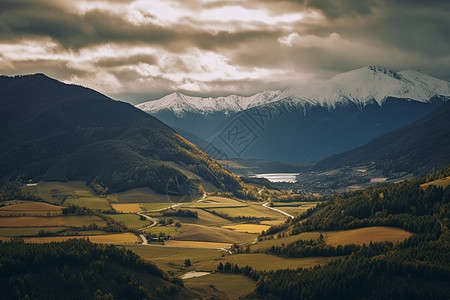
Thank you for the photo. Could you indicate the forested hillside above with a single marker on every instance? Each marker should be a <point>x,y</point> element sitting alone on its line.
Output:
<point>53,131</point>
<point>418,268</point>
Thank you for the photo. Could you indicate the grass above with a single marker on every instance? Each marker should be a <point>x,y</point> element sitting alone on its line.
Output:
<point>366,235</point>
<point>157,230</point>
<point>266,244</point>
<point>98,203</point>
<point>65,193</point>
<point>193,232</point>
<point>222,286</point>
<point>293,203</point>
<point>28,231</point>
<point>204,218</point>
<point>30,209</point>
<point>119,238</point>
<point>76,221</point>
<point>127,207</point>
<point>246,212</point>
<point>266,262</point>
<point>132,221</point>
<point>139,195</point>
<point>443,182</point>
<point>196,244</point>
<point>156,206</point>
<point>249,228</point>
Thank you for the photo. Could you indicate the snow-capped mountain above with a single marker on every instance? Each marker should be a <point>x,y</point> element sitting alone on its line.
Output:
<point>365,85</point>
<point>361,86</point>
<point>180,104</point>
<point>306,123</point>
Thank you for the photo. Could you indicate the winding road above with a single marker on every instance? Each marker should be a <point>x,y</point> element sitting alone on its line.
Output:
<point>266,205</point>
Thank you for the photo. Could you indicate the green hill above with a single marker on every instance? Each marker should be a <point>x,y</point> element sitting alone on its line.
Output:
<point>54,131</point>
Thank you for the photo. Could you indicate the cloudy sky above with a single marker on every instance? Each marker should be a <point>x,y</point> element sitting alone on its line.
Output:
<point>144,49</point>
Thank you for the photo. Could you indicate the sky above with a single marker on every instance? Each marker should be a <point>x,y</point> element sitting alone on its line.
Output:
<point>139,50</point>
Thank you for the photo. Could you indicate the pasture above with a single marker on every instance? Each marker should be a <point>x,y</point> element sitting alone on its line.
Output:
<point>196,244</point>
<point>248,228</point>
<point>193,232</point>
<point>132,221</point>
<point>119,238</point>
<point>222,286</point>
<point>127,207</point>
<point>366,235</point>
<point>443,183</point>
<point>69,221</point>
<point>30,208</point>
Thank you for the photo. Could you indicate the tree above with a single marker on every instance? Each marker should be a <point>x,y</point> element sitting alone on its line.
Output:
<point>187,262</point>
<point>220,266</point>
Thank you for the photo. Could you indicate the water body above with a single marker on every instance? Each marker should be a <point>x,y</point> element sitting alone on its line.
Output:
<point>194,274</point>
<point>279,177</point>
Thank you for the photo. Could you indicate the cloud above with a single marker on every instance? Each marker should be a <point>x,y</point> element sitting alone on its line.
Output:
<point>128,48</point>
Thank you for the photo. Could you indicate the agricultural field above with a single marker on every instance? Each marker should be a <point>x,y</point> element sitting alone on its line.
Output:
<point>248,228</point>
<point>30,208</point>
<point>132,221</point>
<point>28,231</point>
<point>65,193</point>
<point>222,286</point>
<point>196,244</point>
<point>193,232</point>
<point>76,221</point>
<point>127,207</point>
<point>252,211</point>
<point>267,262</point>
<point>266,244</point>
<point>156,206</point>
<point>139,195</point>
<point>119,238</point>
<point>160,230</point>
<point>366,235</point>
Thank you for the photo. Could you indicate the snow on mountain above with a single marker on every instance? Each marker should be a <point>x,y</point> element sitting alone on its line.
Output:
<point>361,86</point>
<point>179,103</point>
<point>368,84</point>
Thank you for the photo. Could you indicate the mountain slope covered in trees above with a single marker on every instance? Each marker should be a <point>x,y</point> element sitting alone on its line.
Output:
<point>54,131</point>
<point>419,148</point>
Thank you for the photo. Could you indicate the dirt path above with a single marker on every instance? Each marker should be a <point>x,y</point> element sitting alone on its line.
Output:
<point>266,205</point>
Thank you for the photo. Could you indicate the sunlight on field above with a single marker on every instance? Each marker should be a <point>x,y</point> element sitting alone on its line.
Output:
<point>31,209</point>
<point>366,235</point>
<point>443,183</point>
<point>119,238</point>
<point>132,221</point>
<point>193,232</point>
<point>266,262</point>
<point>266,244</point>
<point>157,230</point>
<point>127,207</point>
<point>156,206</point>
<point>90,202</point>
<point>28,231</point>
<point>194,244</point>
<point>77,221</point>
<point>249,228</point>
<point>230,285</point>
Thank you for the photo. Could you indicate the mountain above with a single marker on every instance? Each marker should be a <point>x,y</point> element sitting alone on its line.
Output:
<point>181,104</point>
<point>306,123</point>
<point>419,148</point>
<point>54,131</point>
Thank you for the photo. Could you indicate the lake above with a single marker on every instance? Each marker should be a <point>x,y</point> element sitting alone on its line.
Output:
<point>279,177</point>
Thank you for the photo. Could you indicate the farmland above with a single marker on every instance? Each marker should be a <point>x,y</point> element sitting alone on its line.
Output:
<point>366,235</point>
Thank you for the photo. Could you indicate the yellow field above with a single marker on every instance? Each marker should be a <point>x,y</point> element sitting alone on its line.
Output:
<point>366,235</point>
<point>249,228</point>
<point>195,244</point>
<point>31,209</point>
<point>193,232</point>
<point>127,207</point>
<point>285,240</point>
<point>119,238</point>
<point>443,183</point>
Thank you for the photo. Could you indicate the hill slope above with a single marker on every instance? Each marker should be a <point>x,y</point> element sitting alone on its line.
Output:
<point>419,148</point>
<point>54,131</point>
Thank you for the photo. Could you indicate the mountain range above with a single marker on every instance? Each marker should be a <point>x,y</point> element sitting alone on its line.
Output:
<point>55,131</point>
<point>305,123</point>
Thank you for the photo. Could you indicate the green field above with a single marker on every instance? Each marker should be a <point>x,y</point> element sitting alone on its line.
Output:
<point>132,221</point>
<point>222,286</point>
<point>284,240</point>
<point>28,231</point>
<point>65,193</point>
<point>246,212</point>
<point>156,206</point>
<point>266,262</point>
<point>140,195</point>
<point>157,230</point>
<point>90,202</point>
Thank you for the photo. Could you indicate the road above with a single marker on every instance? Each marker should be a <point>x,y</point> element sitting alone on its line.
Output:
<point>266,205</point>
